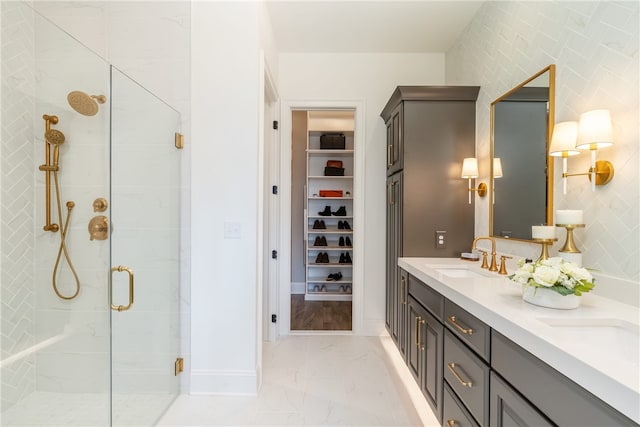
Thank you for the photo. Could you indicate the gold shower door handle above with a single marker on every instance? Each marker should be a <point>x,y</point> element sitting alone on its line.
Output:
<point>121,268</point>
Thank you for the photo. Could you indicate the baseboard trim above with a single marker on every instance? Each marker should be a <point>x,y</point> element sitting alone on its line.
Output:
<point>297,288</point>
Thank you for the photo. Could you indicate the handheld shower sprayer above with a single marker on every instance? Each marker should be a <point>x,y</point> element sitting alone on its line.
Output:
<point>55,138</point>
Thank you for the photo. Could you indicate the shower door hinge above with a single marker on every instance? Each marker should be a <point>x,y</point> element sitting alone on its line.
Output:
<point>274,189</point>
<point>179,142</point>
<point>179,366</point>
<point>275,124</point>
<point>274,318</point>
<point>274,254</point>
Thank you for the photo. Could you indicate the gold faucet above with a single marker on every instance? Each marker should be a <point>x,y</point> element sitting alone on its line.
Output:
<point>493,266</point>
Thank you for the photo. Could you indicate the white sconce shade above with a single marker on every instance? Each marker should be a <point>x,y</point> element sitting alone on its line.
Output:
<point>595,130</point>
<point>497,167</point>
<point>563,140</point>
<point>470,168</point>
<point>470,171</point>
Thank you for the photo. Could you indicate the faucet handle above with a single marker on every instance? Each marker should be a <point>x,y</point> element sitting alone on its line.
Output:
<point>503,264</point>
<point>485,264</point>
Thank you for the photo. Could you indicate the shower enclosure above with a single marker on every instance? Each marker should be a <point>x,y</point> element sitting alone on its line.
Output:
<point>90,225</point>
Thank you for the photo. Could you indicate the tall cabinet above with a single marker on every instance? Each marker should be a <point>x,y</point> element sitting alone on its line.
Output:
<point>329,207</point>
<point>430,130</point>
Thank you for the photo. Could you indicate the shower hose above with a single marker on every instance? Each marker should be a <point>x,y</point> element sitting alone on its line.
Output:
<point>63,244</point>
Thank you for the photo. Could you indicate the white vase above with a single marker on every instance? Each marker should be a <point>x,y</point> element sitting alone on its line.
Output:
<point>548,298</point>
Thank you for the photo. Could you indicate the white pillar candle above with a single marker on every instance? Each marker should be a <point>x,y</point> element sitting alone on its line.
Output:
<point>569,216</point>
<point>543,232</point>
<point>575,258</point>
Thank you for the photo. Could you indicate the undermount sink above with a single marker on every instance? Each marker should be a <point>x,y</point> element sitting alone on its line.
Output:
<point>608,332</point>
<point>459,273</point>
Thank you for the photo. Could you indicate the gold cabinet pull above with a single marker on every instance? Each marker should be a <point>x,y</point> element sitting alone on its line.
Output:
<point>389,155</point>
<point>403,287</point>
<point>451,423</point>
<point>122,268</point>
<point>452,368</point>
<point>419,321</point>
<point>461,328</point>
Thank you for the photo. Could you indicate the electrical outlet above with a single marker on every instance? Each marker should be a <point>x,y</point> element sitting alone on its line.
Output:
<point>441,242</point>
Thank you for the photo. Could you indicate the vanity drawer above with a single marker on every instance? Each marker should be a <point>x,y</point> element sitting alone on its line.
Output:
<point>455,414</point>
<point>468,376</point>
<point>430,299</point>
<point>471,330</point>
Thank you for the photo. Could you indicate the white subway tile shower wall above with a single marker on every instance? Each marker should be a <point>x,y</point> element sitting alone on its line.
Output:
<point>18,195</point>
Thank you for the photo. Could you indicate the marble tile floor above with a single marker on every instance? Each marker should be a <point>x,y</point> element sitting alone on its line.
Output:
<point>317,380</point>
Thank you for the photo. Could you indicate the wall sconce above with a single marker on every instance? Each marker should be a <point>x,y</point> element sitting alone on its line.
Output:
<point>563,144</point>
<point>594,131</point>
<point>470,171</point>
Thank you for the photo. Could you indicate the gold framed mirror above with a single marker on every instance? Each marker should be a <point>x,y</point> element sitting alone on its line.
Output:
<point>521,179</point>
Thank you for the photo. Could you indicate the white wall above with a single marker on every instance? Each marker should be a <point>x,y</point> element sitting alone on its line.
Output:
<point>370,78</point>
<point>225,99</point>
<point>595,48</point>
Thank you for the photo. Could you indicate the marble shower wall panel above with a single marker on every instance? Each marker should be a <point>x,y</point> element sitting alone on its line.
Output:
<point>17,219</point>
<point>595,48</point>
<point>78,361</point>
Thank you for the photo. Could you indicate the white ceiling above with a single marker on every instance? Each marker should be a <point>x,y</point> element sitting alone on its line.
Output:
<point>348,26</point>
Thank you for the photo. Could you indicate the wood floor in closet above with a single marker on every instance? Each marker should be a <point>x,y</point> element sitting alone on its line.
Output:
<point>320,315</point>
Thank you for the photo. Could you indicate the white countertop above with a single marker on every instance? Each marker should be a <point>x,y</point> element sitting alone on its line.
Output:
<point>603,358</point>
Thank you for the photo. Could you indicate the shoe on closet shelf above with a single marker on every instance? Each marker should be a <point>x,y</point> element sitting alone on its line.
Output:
<point>334,276</point>
<point>348,288</point>
<point>319,225</point>
<point>316,288</point>
<point>323,241</point>
<point>326,211</point>
<point>342,288</point>
<point>347,241</point>
<point>322,258</point>
<point>347,258</point>
<point>342,259</point>
<point>323,288</point>
<point>342,211</point>
<point>346,226</point>
<point>341,241</point>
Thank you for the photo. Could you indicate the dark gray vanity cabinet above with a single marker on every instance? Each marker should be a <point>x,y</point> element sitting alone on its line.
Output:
<point>561,400</point>
<point>508,408</point>
<point>425,334</point>
<point>471,375</point>
<point>430,130</point>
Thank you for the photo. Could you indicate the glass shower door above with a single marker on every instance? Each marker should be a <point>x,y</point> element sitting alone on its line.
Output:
<point>145,249</point>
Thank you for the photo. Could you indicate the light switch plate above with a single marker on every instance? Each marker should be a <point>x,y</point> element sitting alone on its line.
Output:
<point>232,230</point>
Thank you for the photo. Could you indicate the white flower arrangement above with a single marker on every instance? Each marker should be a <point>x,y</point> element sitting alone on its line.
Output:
<point>555,274</point>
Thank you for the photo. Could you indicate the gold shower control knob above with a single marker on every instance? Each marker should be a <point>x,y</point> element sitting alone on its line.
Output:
<point>100,204</point>
<point>99,228</point>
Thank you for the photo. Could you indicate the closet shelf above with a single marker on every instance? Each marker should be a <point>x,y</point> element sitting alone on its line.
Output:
<point>330,198</point>
<point>329,231</point>
<point>329,264</point>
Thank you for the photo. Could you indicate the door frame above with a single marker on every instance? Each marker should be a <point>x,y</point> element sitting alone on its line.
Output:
<point>359,219</point>
<point>268,214</point>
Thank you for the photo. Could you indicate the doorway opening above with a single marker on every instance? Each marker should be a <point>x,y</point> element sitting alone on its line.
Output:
<point>322,219</point>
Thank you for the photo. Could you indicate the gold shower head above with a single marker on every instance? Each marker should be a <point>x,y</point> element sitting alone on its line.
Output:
<point>85,104</point>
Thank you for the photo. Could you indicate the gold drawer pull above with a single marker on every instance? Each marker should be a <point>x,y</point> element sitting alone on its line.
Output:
<point>389,155</point>
<point>403,287</point>
<point>418,318</point>
<point>452,368</point>
<point>461,328</point>
<point>451,423</point>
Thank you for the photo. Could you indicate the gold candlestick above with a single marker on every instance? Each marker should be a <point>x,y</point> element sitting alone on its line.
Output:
<point>544,254</point>
<point>569,244</point>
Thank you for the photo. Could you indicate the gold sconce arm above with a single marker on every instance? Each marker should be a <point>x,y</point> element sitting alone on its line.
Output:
<point>603,171</point>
